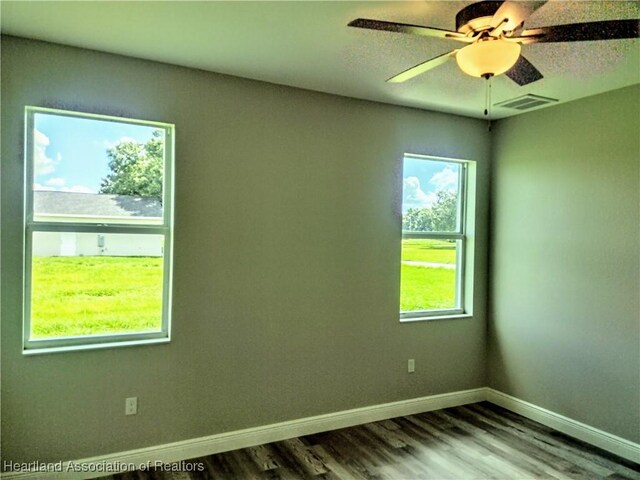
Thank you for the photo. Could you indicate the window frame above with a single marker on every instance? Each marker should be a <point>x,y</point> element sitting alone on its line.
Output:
<point>460,236</point>
<point>31,226</point>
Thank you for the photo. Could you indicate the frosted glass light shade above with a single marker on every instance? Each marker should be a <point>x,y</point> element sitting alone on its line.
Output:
<point>489,57</point>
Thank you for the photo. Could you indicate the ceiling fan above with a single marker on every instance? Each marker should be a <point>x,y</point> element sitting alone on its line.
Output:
<point>494,33</point>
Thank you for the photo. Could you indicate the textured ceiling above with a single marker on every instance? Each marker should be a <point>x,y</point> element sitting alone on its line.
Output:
<point>307,44</point>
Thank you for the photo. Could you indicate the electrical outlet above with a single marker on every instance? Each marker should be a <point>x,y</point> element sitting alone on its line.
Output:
<point>131,406</point>
<point>411,365</point>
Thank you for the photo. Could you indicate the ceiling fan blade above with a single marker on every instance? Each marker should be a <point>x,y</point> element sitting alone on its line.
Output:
<point>406,28</point>
<point>422,67</point>
<point>523,72</point>
<point>512,14</point>
<point>581,32</point>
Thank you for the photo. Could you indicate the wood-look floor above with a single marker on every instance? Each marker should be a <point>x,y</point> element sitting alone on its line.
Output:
<point>470,442</point>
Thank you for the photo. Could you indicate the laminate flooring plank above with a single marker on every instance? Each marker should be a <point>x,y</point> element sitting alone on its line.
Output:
<point>523,456</point>
<point>340,470</point>
<point>128,475</point>
<point>398,470</point>
<point>290,466</point>
<point>320,438</point>
<point>205,474</point>
<point>262,457</point>
<point>245,464</point>
<point>387,436</point>
<point>305,456</point>
<point>329,475</point>
<point>178,475</point>
<point>373,452</point>
<point>453,453</point>
<point>441,462</point>
<point>270,475</point>
<point>225,467</point>
<point>436,461</point>
<point>389,424</point>
<point>352,456</point>
<point>400,455</point>
<point>617,476</point>
<point>211,469</point>
<point>437,432</point>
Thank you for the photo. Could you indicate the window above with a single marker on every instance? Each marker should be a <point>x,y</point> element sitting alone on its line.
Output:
<point>98,231</point>
<point>433,237</point>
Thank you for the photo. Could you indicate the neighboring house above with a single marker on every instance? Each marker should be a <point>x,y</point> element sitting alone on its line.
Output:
<point>96,208</point>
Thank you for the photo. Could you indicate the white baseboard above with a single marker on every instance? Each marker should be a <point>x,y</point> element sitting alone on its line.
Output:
<point>579,430</point>
<point>199,447</point>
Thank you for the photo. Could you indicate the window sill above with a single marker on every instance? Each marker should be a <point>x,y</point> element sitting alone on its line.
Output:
<point>452,316</point>
<point>93,346</point>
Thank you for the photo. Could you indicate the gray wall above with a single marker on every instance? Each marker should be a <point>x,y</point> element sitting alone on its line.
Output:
<point>565,279</point>
<point>287,256</point>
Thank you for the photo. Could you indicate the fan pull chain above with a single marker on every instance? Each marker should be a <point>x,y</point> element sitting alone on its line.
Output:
<point>487,96</point>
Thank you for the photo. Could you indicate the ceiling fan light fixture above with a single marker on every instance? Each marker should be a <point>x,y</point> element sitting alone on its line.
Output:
<point>488,57</point>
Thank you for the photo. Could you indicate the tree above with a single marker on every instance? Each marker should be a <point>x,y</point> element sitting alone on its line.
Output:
<point>135,168</point>
<point>439,217</point>
<point>417,220</point>
<point>444,211</point>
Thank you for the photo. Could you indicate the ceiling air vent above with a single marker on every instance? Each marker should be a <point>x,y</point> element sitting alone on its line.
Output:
<point>525,102</point>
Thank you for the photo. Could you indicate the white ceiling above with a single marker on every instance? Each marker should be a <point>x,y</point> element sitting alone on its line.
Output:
<point>307,44</point>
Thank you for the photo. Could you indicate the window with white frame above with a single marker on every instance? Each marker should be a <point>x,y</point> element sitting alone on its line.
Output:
<point>98,230</point>
<point>433,237</point>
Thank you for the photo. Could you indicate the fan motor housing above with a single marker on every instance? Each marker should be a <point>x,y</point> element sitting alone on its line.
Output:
<point>476,16</point>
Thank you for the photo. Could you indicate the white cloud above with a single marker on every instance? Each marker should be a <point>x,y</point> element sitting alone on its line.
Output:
<point>108,145</point>
<point>59,188</point>
<point>43,165</point>
<point>43,188</point>
<point>446,179</point>
<point>55,182</point>
<point>413,196</point>
<point>40,138</point>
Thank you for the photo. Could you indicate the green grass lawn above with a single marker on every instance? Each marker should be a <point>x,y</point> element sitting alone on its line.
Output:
<point>95,295</point>
<point>427,288</point>
<point>425,250</point>
<point>424,288</point>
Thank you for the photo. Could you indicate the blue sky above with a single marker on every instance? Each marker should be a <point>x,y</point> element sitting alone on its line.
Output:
<point>70,153</point>
<point>421,179</point>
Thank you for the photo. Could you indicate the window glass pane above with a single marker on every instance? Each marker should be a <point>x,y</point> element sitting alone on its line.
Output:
<point>430,195</point>
<point>89,170</point>
<point>428,274</point>
<point>95,284</point>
